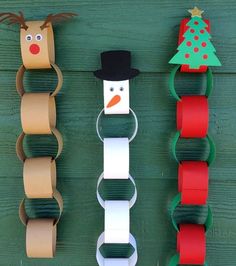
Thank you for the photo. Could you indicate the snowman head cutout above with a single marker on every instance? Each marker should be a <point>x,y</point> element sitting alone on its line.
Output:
<point>116,72</point>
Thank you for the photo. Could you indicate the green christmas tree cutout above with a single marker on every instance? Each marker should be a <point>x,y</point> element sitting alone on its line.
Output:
<point>196,50</point>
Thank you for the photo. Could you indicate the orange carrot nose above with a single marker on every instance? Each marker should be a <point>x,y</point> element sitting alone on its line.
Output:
<point>114,100</point>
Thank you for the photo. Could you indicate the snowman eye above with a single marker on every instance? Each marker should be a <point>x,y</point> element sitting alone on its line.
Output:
<point>28,38</point>
<point>111,89</point>
<point>38,37</point>
<point>121,88</point>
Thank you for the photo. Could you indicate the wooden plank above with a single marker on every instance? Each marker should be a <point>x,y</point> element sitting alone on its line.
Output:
<point>148,28</point>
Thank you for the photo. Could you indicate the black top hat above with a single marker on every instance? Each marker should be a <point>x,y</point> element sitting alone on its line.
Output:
<point>116,65</point>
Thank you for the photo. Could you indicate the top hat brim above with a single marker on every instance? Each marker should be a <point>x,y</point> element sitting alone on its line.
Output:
<point>116,76</point>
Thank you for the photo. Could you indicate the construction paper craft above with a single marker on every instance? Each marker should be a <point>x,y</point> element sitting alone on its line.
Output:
<point>193,178</point>
<point>41,233</point>
<point>20,149</point>
<point>39,177</point>
<point>41,238</point>
<point>173,92</point>
<point>36,38</point>
<point>212,148</point>
<point>131,261</point>
<point>191,244</point>
<point>192,116</point>
<point>102,201</point>
<point>196,49</point>
<point>20,76</point>
<point>99,125</point>
<point>38,116</point>
<point>38,113</point>
<point>195,54</point>
<point>117,219</point>
<point>116,158</point>
<point>175,203</point>
<point>116,72</point>
<point>116,97</point>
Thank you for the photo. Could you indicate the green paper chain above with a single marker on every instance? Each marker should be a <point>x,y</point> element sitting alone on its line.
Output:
<point>212,152</point>
<point>174,261</point>
<point>176,201</point>
<point>173,73</point>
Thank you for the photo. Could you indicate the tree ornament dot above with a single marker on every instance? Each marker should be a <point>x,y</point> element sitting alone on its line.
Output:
<point>192,30</point>
<point>189,43</point>
<point>205,56</point>
<point>196,23</point>
<point>196,38</point>
<point>204,44</point>
<point>196,49</point>
<point>187,55</point>
<point>202,31</point>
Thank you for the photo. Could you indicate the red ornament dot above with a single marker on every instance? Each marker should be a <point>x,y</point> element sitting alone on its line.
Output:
<point>187,55</point>
<point>192,30</point>
<point>196,38</point>
<point>204,44</point>
<point>196,23</point>
<point>205,56</point>
<point>196,49</point>
<point>189,43</point>
<point>202,31</point>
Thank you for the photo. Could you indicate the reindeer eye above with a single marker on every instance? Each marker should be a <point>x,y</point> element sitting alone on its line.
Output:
<point>111,89</point>
<point>28,38</point>
<point>38,37</point>
<point>121,88</point>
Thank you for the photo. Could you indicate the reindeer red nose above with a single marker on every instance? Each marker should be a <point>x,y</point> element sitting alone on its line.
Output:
<point>34,49</point>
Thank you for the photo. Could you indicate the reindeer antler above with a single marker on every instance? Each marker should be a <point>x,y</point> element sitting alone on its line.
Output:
<point>14,19</point>
<point>57,17</point>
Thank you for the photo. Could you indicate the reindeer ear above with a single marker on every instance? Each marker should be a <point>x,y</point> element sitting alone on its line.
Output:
<point>14,19</point>
<point>57,17</point>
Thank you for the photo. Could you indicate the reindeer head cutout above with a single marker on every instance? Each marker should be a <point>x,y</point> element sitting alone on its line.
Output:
<point>37,39</point>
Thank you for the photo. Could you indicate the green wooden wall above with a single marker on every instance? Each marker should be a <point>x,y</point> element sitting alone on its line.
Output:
<point>150,30</point>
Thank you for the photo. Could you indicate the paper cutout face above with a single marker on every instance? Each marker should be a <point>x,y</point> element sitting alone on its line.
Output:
<point>116,97</point>
<point>37,45</point>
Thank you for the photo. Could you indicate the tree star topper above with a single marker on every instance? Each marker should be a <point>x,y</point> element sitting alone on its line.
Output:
<point>195,12</point>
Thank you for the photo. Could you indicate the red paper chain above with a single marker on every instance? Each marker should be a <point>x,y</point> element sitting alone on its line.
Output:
<point>192,120</point>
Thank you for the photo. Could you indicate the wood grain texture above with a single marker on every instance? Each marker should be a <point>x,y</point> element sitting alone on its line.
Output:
<point>150,30</point>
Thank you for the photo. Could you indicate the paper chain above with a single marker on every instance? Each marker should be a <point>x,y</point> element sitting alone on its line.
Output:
<point>116,167</point>
<point>192,122</point>
<point>38,117</point>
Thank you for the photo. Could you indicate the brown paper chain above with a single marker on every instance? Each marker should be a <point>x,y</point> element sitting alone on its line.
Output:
<point>20,80</point>
<point>38,117</point>
<point>20,150</point>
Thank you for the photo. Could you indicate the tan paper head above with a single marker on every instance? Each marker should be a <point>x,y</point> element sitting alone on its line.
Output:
<point>37,45</point>
<point>36,38</point>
